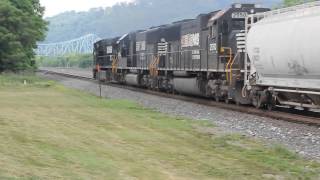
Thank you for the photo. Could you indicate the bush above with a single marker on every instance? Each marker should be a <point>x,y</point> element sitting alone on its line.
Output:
<point>78,61</point>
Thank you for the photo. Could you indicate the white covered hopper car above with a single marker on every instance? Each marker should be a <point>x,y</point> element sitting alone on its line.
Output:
<point>283,48</point>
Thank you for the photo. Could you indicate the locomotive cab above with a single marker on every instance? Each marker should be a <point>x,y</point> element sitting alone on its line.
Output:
<point>126,51</point>
<point>226,51</point>
<point>103,54</point>
<point>226,38</point>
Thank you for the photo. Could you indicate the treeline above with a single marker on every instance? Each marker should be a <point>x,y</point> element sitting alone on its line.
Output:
<point>21,26</point>
<point>72,61</point>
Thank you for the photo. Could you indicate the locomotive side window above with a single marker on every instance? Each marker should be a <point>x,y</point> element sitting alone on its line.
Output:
<point>213,30</point>
<point>124,52</point>
<point>225,27</point>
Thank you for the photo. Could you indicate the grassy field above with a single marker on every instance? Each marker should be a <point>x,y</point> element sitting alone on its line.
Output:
<point>51,132</point>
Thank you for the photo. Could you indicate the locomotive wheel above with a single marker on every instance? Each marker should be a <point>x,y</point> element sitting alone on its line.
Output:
<point>270,107</point>
<point>257,103</point>
<point>292,107</point>
<point>306,109</point>
<point>94,75</point>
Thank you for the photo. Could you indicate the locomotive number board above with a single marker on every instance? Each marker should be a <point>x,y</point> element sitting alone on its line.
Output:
<point>239,15</point>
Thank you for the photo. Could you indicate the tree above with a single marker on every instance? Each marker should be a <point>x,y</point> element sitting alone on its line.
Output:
<point>21,26</point>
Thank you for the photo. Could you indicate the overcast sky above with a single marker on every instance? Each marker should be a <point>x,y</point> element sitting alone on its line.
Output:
<point>54,7</point>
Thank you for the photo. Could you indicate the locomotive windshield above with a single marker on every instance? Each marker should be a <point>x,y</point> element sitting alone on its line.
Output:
<point>238,24</point>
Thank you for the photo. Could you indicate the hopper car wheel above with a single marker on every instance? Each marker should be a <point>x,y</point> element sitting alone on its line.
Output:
<point>272,103</point>
<point>227,101</point>
<point>217,98</point>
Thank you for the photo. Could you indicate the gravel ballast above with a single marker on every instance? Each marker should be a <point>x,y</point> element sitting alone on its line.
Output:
<point>300,138</point>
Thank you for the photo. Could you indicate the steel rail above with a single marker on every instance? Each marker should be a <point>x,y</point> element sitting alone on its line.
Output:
<point>312,118</point>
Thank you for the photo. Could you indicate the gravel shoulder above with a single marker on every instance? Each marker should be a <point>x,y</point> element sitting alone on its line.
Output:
<point>303,139</point>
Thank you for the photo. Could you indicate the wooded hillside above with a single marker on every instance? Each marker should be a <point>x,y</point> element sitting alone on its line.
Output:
<point>121,18</point>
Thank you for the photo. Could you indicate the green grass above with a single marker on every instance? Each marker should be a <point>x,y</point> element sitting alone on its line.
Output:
<point>51,132</point>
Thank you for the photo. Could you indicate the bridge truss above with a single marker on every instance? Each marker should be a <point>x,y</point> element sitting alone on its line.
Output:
<point>82,45</point>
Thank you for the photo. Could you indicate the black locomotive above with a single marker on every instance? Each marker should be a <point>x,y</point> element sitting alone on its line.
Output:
<point>202,56</point>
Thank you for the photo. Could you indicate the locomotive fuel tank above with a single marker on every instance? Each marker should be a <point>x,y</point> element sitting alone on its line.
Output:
<point>188,86</point>
<point>132,79</point>
<point>285,50</point>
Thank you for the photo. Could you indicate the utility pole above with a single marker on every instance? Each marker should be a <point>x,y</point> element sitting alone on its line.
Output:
<point>99,79</point>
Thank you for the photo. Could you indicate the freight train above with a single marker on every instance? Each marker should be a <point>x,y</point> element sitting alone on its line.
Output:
<point>244,54</point>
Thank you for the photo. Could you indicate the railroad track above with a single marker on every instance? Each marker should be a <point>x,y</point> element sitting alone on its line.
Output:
<point>280,113</point>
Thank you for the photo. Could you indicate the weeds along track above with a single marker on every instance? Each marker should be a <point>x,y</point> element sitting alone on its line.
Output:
<point>280,113</point>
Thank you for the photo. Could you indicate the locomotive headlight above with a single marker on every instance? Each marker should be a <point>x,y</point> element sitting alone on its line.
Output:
<point>252,11</point>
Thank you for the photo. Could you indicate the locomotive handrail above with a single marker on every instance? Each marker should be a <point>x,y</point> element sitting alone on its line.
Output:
<point>153,67</point>
<point>229,61</point>
<point>231,73</point>
<point>171,52</point>
<point>114,64</point>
